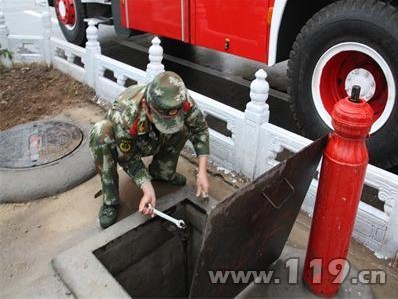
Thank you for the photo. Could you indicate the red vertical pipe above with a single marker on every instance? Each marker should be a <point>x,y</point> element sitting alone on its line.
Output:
<point>340,186</point>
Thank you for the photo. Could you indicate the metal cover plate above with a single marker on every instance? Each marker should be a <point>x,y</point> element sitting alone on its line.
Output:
<point>248,230</point>
<point>38,143</point>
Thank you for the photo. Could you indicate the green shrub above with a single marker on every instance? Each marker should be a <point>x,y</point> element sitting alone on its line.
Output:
<point>4,54</point>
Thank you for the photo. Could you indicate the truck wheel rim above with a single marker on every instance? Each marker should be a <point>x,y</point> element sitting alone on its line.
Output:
<point>347,64</point>
<point>66,12</point>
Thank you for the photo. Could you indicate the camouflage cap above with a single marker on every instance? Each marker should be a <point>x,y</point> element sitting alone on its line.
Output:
<point>165,95</point>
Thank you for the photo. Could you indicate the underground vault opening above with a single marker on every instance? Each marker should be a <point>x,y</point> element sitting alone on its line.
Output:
<point>156,259</point>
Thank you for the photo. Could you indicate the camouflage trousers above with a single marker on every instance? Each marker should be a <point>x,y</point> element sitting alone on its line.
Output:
<point>103,147</point>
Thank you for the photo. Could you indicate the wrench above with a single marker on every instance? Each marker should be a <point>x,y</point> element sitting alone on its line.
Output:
<point>178,223</point>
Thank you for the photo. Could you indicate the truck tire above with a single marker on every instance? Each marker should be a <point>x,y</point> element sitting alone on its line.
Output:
<point>347,43</point>
<point>70,15</point>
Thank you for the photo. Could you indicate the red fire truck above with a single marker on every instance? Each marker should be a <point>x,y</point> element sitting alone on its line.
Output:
<point>331,46</point>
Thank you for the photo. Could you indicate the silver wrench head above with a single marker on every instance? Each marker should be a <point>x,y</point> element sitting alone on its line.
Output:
<point>181,224</point>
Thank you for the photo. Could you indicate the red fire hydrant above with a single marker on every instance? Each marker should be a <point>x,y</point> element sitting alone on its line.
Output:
<point>340,186</point>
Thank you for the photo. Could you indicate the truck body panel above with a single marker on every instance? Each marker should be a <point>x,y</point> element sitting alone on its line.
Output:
<point>216,24</point>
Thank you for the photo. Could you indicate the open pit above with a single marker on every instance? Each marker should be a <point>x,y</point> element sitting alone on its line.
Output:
<point>157,259</point>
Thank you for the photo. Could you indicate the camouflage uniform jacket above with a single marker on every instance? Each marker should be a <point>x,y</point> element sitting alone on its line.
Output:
<point>136,137</point>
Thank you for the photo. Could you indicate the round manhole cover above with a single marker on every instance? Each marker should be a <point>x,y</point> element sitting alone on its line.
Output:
<point>38,143</point>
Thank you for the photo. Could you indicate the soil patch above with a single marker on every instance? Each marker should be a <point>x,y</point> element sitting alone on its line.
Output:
<point>35,91</point>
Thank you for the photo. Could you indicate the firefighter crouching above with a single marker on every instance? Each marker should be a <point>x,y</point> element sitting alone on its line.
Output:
<point>154,119</point>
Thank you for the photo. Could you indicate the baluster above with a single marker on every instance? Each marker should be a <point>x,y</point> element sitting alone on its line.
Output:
<point>155,65</point>
<point>257,110</point>
<point>100,71</point>
<point>70,57</point>
<point>120,78</point>
<point>46,48</point>
<point>249,150</point>
<point>4,32</point>
<point>92,50</point>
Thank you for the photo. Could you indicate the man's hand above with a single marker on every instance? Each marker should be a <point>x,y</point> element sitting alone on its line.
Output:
<point>149,197</point>
<point>202,183</point>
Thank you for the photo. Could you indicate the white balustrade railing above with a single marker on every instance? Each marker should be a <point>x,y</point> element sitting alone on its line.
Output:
<point>109,89</point>
<point>68,58</point>
<point>254,143</point>
<point>222,147</point>
<point>26,48</point>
